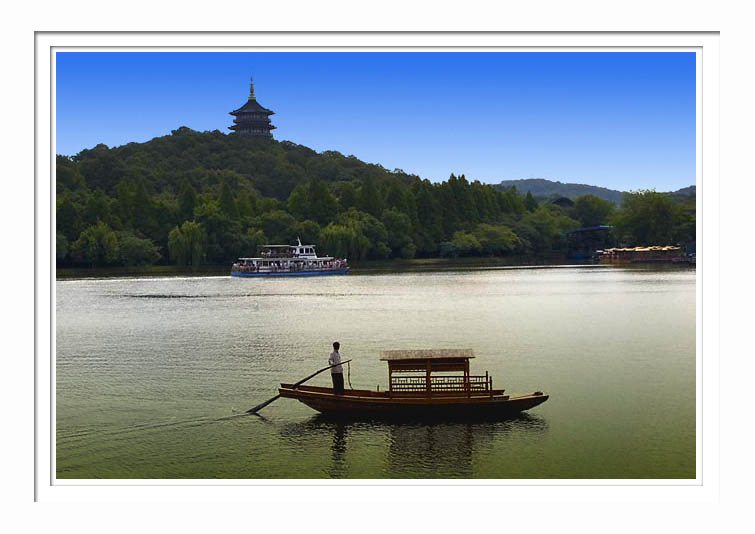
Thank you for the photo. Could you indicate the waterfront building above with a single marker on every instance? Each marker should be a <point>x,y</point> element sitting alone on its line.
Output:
<point>251,119</point>
<point>652,254</point>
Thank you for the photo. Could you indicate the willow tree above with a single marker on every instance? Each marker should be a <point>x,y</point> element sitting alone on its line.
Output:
<point>187,244</point>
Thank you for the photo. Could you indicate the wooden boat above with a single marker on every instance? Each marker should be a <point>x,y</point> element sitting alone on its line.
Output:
<point>421,383</point>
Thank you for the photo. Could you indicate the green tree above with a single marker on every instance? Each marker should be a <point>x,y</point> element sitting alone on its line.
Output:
<point>278,226</point>
<point>101,167</point>
<point>136,206</point>
<point>543,230</point>
<point>450,217</point>
<point>647,218</point>
<point>398,227</point>
<point>367,225</point>
<point>227,202</point>
<point>255,238</point>
<point>136,251</point>
<point>98,208</point>
<point>348,196</point>
<point>323,203</point>
<point>225,237</point>
<point>67,175</point>
<point>308,232</point>
<point>429,228</point>
<point>68,218</point>
<point>369,199</point>
<point>246,203</point>
<point>465,203</point>
<point>313,200</point>
<point>530,203</point>
<point>61,247</point>
<point>486,202</point>
<point>591,210</point>
<point>96,246</point>
<point>685,230</point>
<point>343,241</point>
<point>511,202</point>
<point>497,240</point>
<point>447,249</point>
<point>464,244</point>
<point>187,200</point>
<point>396,196</point>
<point>186,244</point>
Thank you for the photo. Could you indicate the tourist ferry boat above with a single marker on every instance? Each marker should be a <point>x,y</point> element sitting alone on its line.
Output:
<point>416,389</point>
<point>288,260</point>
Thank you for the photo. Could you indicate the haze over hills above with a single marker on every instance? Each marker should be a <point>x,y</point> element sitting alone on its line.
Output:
<point>542,189</point>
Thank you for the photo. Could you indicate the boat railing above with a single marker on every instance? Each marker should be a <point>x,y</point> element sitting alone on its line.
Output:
<point>293,267</point>
<point>467,384</point>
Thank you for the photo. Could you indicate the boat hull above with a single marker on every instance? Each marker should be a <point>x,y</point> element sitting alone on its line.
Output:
<point>291,273</point>
<point>359,403</point>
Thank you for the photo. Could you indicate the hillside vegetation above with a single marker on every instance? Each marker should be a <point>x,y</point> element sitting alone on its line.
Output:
<point>194,198</point>
<point>543,189</point>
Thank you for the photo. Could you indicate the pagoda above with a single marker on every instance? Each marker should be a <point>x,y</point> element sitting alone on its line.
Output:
<point>252,120</point>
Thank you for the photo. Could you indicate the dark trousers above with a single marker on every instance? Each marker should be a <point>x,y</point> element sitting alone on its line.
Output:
<point>337,383</point>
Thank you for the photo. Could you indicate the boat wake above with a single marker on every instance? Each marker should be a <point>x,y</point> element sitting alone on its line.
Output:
<point>64,438</point>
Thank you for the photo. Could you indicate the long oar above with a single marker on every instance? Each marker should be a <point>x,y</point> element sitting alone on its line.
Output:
<point>300,382</point>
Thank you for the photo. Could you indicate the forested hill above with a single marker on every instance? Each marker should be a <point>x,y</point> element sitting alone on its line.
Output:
<point>542,189</point>
<point>207,197</point>
<point>272,168</point>
<point>685,193</point>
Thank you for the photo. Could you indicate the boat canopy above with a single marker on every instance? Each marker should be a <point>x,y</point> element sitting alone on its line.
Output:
<point>427,360</point>
<point>425,354</point>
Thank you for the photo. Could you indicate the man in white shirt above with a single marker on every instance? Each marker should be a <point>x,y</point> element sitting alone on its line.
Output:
<point>336,372</point>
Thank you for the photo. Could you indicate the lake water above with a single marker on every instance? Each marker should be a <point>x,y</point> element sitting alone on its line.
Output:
<point>153,374</point>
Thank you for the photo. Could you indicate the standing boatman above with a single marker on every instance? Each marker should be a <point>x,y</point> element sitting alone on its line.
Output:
<point>336,372</point>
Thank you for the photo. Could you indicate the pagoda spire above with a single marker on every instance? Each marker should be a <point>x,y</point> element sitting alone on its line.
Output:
<point>251,88</point>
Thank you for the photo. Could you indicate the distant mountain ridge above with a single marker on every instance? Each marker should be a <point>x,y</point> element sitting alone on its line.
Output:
<point>542,188</point>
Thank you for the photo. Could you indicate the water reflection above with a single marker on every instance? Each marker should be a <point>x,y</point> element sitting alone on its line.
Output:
<point>413,449</point>
<point>324,433</point>
<point>448,449</point>
<point>338,451</point>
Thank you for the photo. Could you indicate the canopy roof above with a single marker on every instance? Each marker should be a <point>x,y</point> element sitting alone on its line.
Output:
<point>642,249</point>
<point>425,354</point>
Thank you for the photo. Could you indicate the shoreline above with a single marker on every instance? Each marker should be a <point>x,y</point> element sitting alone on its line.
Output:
<point>371,267</point>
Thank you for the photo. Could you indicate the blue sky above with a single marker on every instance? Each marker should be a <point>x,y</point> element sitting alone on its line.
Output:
<point>623,120</point>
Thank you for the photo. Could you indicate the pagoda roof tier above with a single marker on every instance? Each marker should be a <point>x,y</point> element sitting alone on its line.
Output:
<point>252,125</point>
<point>252,106</point>
<point>244,120</point>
